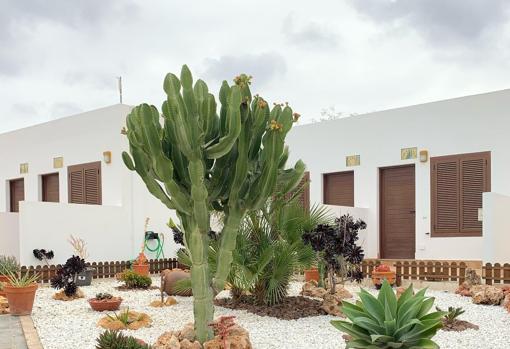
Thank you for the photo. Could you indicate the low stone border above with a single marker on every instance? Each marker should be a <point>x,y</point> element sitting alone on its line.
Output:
<point>31,336</point>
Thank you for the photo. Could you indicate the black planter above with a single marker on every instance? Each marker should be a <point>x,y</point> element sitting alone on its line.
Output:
<point>85,277</point>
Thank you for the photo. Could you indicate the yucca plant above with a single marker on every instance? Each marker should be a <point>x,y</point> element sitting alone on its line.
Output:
<point>384,322</point>
<point>8,264</point>
<point>19,280</point>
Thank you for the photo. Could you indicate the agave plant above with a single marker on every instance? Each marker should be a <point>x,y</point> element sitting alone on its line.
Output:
<point>117,340</point>
<point>385,322</point>
<point>452,314</point>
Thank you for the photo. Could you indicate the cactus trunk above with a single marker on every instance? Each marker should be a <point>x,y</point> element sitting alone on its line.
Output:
<point>197,161</point>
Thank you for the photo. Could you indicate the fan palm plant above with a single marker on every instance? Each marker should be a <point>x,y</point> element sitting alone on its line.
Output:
<point>269,248</point>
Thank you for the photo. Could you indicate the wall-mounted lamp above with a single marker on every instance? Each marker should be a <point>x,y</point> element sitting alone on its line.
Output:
<point>424,156</point>
<point>107,157</point>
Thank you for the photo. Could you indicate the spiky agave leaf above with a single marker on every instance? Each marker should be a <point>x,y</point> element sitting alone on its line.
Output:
<point>385,322</point>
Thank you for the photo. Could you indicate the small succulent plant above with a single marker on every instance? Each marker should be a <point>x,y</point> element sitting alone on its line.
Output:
<point>103,296</point>
<point>452,314</point>
<point>8,264</point>
<point>117,340</point>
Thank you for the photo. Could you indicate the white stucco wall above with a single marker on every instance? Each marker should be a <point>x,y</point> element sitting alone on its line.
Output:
<point>462,125</point>
<point>496,228</point>
<point>9,234</point>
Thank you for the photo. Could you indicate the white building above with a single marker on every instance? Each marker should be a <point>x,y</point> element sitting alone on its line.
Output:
<point>392,194</point>
<point>415,209</point>
<point>53,154</point>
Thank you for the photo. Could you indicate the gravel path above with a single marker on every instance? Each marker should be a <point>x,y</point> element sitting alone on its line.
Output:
<point>72,325</point>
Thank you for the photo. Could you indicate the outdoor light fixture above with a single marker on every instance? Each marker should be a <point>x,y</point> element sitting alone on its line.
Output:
<point>424,155</point>
<point>107,157</point>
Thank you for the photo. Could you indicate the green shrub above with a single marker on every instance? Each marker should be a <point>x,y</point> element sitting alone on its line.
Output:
<point>385,322</point>
<point>117,340</point>
<point>134,280</point>
<point>8,265</point>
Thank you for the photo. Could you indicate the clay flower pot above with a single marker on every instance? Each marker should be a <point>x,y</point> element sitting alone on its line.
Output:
<point>170,277</point>
<point>311,274</point>
<point>21,299</point>
<point>141,269</point>
<point>4,278</point>
<point>379,276</point>
<point>105,304</point>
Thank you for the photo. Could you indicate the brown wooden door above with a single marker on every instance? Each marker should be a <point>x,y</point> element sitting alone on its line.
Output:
<point>17,193</point>
<point>397,216</point>
<point>50,187</point>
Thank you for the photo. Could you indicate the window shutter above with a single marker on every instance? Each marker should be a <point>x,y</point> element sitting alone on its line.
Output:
<point>445,195</point>
<point>84,184</point>
<point>457,185</point>
<point>92,185</point>
<point>339,188</point>
<point>473,182</point>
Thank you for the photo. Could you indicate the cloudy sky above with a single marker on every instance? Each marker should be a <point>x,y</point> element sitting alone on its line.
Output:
<point>59,57</point>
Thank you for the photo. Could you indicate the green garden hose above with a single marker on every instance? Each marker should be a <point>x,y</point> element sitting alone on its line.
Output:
<point>158,249</point>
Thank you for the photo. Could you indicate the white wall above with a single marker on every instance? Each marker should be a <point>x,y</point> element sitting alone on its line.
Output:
<point>9,234</point>
<point>496,227</point>
<point>47,225</point>
<point>463,125</point>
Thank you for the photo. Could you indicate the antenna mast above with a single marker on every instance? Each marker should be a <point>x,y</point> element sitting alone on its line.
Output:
<point>120,88</point>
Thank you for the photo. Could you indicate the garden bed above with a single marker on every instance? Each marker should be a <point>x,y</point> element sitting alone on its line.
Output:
<point>78,322</point>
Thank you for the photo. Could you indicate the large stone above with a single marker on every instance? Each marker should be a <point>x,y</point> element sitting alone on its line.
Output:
<point>486,294</point>
<point>4,306</point>
<point>136,321</point>
<point>331,305</point>
<point>170,277</point>
<point>342,292</point>
<point>506,302</point>
<point>186,344</point>
<point>187,332</point>
<point>465,289</point>
<point>311,289</point>
<point>238,338</point>
<point>472,278</point>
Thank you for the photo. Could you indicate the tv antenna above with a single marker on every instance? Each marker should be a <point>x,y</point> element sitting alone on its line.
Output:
<point>119,79</point>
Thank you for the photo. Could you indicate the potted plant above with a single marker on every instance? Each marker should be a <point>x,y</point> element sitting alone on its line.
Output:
<point>8,265</point>
<point>20,293</point>
<point>141,264</point>
<point>84,278</point>
<point>383,272</point>
<point>312,274</point>
<point>105,301</point>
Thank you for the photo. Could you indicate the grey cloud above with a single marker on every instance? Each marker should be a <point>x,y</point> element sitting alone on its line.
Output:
<point>309,34</point>
<point>96,80</point>
<point>443,22</point>
<point>262,66</point>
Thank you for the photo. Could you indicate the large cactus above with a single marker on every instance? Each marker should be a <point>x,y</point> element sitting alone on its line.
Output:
<point>196,162</point>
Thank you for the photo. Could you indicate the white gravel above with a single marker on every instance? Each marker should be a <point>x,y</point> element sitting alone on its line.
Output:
<point>72,325</point>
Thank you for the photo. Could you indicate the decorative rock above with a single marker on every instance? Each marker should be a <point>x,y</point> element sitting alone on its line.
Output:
<point>186,344</point>
<point>342,292</point>
<point>486,294</point>
<point>472,278</point>
<point>311,289</point>
<point>187,332</point>
<point>135,322</point>
<point>4,306</point>
<point>506,302</point>
<point>238,338</point>
<point>170,277</point>
<point>331,305</point>
<point>464,290</point>
<point>168,302</point>
<point>61,296</point>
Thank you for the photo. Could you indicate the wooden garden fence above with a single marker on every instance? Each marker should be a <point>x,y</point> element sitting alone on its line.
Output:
<point>422,270</point>
<point>102,269</point>
<point>496,274</point>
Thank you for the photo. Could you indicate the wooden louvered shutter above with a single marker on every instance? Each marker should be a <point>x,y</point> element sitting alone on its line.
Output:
<point>84,183</point>
<point>339,188</point>
<point>474,181</point>
<point>445,195</point>
<point>457,185</point>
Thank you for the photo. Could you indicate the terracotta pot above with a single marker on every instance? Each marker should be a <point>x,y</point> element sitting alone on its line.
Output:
<point>312,274</point>
<point>21,299</point>
<point>141,269</point>
<point>379,276</point>
<point>4,278</point>
<point>170,277</point>
<point>105,304</point>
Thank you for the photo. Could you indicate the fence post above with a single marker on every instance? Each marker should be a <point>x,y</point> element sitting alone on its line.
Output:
<point>462,272</point>
<point>398,272</point>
